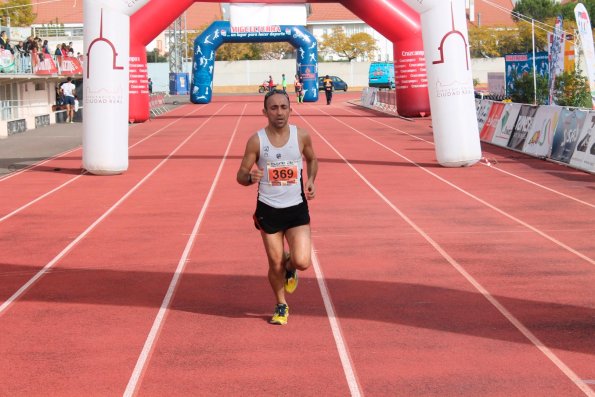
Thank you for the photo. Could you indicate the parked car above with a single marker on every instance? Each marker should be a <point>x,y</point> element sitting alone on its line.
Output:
<point>338,83</point>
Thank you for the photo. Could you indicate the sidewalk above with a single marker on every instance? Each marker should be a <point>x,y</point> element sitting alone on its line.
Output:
<point>21,150</point>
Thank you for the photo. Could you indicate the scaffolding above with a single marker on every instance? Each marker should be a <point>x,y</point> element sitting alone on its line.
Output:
<point>178,50</point>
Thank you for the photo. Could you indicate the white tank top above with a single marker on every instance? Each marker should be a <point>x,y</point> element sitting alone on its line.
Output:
<point>281,184</point>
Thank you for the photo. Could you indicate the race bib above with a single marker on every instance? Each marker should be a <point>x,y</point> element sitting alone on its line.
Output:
<point>282,172</point>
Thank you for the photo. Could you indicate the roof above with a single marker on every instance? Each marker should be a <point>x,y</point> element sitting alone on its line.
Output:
<point>71,11</point>
<point>493,13</point>
<point>201,13</point>
<point>322,12</point>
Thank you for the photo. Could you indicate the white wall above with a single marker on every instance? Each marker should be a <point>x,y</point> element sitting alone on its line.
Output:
<point>253,73</point>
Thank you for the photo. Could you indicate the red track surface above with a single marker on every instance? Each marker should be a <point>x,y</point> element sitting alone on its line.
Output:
<point>427,281</point>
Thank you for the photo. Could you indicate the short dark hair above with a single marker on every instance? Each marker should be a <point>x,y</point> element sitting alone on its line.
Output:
<point>271,93</point>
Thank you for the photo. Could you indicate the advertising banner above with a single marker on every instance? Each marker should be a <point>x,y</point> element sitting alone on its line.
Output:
<point>483,107</point>
<point>583,23</point>
<point>584,154</point>
<point>556,57</point>
<point>567,134</point>
<point>518,65</point>
<point>569,54</point>
<point>522,126</point>
<point>504,128</point>
<point>43,64</point>
<point>6,61</point>
<point>487,131</point>
<point>541,135</point>
<point>69,66</point>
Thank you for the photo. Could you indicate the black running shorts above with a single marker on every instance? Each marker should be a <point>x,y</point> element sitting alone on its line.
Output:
<point>272,220</point>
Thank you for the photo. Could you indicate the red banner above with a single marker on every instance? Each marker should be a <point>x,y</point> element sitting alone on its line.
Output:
<point>43,64</point>
<point>69,66</point>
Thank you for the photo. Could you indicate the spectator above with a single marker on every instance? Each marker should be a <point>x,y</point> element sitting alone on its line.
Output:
<point>58,51</point>
<point>68,89</point>
<point>3,40</point>
<point>271,84</point>
<point>150,86</point>
<point>45,48</point>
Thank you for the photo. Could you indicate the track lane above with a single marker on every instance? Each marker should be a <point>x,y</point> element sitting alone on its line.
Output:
<point>216,339</point>
<point>110,286</point>
<point>358,147</point>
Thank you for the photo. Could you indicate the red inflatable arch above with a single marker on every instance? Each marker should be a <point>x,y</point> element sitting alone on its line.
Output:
<point>116,79</point>
<point>391,18</point>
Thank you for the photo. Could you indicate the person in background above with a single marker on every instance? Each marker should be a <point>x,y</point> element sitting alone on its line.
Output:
<point>327,83</point>
<point>68,90</point>
<point>3,40</point>
<point>271,83</point>
<point>284,82</point>
<point>299,89</point>
<point>150,85</point>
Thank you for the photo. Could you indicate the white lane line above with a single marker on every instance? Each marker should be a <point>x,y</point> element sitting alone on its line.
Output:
<point>479,287</point>
<point>474,197</point>
<point>492,166</point>
<point>88,230</point>
<point>158,322</point>
<point>350,375</point>
<point>16,211</point>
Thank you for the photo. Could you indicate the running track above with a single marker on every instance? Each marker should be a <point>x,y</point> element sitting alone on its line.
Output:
<point>426,281</point>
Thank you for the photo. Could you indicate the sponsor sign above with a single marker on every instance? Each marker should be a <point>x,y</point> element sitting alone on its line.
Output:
<point>584,154</point>
<point>567,134</point>
<point>487,131</point>
<point>522,127</point>
<point>541,134</point>
<point>504,128</point>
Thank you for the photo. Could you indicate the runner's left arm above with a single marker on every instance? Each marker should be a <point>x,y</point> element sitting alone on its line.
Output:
<point>311,163</point>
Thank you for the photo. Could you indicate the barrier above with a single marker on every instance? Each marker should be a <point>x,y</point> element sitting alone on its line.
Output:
<point>157,104</point>
<point>561,134</point>
<point>385,101</point>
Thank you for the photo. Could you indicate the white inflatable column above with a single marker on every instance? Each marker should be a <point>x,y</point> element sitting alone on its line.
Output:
<point>450,81</point>
<point>105,85</point>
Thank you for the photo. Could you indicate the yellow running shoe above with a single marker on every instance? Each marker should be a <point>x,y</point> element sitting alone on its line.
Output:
<point>281,314</point>
<point>291,277</point>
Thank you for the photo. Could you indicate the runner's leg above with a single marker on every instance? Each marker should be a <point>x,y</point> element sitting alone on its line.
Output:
<point>300,247</point>
<point>273,245</point>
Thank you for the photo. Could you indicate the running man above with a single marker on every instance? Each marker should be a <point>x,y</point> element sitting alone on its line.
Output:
<point>281,207</point>
<point>68,90</point>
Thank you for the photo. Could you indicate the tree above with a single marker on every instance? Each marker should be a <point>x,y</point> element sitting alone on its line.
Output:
<point>536,9</point>
<point>523,89</point>
<point>572,89</point>
<point>20,12</point>
<point>567,10</point>
<point>236,52</point>
<point>154,56</point>
<point>274,51</point>
<point>350,47</point>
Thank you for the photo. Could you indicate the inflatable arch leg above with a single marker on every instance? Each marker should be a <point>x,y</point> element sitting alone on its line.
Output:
<point>105,81</point>
<point>450,81</point>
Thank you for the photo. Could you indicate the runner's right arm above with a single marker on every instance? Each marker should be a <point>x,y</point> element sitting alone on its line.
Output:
<point>246,175</point>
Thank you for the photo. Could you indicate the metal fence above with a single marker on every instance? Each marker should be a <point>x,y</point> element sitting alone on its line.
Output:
<point>15,109</point>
